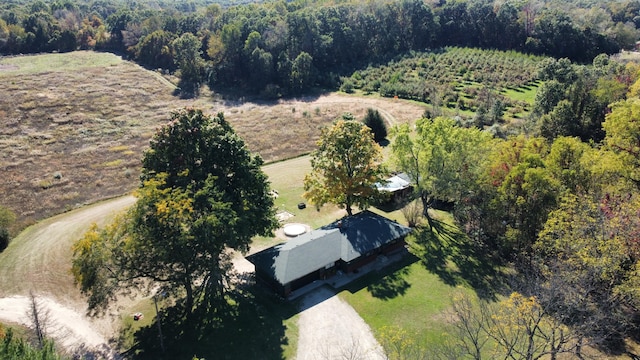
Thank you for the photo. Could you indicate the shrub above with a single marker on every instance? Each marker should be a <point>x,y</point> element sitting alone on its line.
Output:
<point>347,85</point>
<point>4,239</point>
<point>7,217</point>
<point>376,123</point>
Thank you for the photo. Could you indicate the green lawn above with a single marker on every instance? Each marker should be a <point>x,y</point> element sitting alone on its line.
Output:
<point>416,294</point>
<point>409,297</point>
<point>526,94</point>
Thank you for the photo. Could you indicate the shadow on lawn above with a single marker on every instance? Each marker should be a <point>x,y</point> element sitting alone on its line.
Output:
<point>449,253</point>
<point>249,325</point>
<point>388,282</point>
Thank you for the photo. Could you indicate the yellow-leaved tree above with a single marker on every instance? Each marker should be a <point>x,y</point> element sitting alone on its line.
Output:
<point>345,167</point>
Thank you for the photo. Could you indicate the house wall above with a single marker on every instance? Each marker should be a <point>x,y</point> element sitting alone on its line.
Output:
<point>367,259</point>
<point>271,282</point>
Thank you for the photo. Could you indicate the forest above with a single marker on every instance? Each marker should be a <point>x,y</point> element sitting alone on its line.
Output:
<point>287,48</point>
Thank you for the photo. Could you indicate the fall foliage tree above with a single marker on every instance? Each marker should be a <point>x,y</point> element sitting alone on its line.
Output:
<point>202,193</point>
<point>345,167</point>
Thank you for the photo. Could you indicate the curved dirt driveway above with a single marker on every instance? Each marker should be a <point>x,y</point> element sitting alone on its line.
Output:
<point>38,260</point>
<point>329,328</point>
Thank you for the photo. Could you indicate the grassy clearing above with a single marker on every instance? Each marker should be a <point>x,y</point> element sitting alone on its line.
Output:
<point>526,94</point>
<point>35,64</point>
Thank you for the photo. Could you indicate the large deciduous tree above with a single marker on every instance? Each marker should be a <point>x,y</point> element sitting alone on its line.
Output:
<point>622,127</point>
<point>443,160</point>
<point>203,193</point>
<point>590,250</point>
<point>345,167</point>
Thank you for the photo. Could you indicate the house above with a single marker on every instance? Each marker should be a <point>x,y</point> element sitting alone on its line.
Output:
<point>397,188</point>
<point>344,245</point>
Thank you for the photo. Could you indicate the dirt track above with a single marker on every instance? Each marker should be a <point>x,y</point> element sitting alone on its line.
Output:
<point>39,260</point>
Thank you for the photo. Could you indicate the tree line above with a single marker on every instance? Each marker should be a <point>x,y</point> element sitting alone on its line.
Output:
<point>561,210</point>
<point>279,48</point>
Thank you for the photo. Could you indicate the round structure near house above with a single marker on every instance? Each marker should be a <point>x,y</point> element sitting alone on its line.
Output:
<point>293,230</point>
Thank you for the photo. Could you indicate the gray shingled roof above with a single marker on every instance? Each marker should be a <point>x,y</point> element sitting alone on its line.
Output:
<point>346,239</point>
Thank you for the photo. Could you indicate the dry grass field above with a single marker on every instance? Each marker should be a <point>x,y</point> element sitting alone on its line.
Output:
<point>73,127</point>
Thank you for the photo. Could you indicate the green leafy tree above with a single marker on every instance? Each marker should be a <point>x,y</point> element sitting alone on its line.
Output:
<point>443,160</point>
<point>155,50</point>
<point>622,127</point>
<point>376,123</point>
<point>301,72</point>
<point>188,58</point>
<point>345,167</point>
<point>14,347</point>
<point>570,162</point>
<point>203,193</point>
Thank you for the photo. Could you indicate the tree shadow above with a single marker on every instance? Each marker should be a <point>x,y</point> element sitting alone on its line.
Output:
<point>390,286</point>
<point>248,324</point>
<point>386,283</point>
<point>450,254</point>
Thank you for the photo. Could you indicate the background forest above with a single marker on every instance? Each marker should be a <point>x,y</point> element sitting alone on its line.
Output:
<point>286,48</point>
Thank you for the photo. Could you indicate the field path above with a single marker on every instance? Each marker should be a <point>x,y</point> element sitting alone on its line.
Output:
<point>68,327</point>
<point>38,261</point>
<point>329,328</point>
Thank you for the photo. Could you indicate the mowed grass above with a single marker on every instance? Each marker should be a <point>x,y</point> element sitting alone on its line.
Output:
<point>526,93</point>
<point>409,298</point>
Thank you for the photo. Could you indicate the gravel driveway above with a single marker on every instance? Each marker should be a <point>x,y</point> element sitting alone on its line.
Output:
<point>329,328</point>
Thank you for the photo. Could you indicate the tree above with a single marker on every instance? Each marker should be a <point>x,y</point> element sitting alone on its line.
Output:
<point>188,58</point>
<point>376,123</point>
<point>154,50</point>
<point>203,193</point>
<point>345,167</point>
<point>518,327</point>
<point>442,159</point>
<point>623,135</point>
<point>301,72</point>
<point>590,250</point>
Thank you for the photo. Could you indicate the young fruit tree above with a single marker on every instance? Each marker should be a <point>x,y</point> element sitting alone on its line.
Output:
<point>202,194</point>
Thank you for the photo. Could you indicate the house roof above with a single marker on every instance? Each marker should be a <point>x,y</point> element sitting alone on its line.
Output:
<point>395,183</point>
<point>346,239</point>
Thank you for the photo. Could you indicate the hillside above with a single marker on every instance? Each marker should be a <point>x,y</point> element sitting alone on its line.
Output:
<point>73,127</point>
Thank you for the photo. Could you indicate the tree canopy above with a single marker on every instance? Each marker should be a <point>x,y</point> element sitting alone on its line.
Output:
<point>443,159</point>
<point>345,167</point>
<point>202,194</point>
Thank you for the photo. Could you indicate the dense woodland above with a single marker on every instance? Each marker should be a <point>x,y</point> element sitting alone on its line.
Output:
<point>285,48</point>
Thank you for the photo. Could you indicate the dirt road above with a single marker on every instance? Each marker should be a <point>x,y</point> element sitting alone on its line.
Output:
<point>329,328</point>
<point>39,260</point>
<point>68,327</point>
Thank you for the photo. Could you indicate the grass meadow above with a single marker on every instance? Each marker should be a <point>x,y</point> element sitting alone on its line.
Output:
<point>74,126</point>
